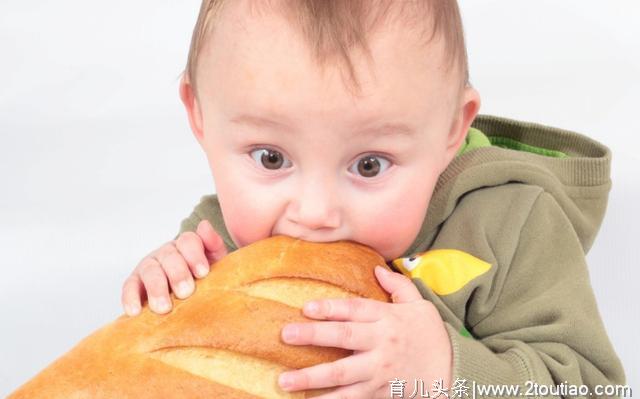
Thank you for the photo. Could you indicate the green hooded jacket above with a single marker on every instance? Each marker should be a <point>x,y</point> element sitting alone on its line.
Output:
<point>526,202</point>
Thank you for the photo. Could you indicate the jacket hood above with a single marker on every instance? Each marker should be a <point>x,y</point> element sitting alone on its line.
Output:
<point>578,178</point>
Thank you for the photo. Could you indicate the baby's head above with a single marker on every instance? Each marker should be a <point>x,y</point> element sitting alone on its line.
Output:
<point>328,119</point>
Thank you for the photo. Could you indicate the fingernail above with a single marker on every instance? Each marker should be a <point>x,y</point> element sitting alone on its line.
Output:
<point>162,305</point>
<point>383,270</point>
<point>286,381</point>
<point>202,270</point>
<point>290,333</point>
<point>132,310</point>
<point>312,307</point>
<point>184,289</point>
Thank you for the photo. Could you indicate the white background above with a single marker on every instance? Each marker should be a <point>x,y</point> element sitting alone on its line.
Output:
<point>98,165</point>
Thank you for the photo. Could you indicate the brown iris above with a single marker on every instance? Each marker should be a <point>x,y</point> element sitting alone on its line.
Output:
<point>271,159</point>
<point>368,166</point>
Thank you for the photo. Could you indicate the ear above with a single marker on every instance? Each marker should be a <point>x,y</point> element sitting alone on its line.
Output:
<point>190,102</point>
<point>464,115</point>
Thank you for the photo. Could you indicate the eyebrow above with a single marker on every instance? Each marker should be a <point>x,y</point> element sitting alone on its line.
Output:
<point>384,129</point>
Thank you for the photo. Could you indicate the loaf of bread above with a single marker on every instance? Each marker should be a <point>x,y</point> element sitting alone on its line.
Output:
<point>224,340</point>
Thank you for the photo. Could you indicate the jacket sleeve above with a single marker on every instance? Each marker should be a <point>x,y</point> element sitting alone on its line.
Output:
<point>190,223</point>
<point>543,324</point>
<point>208,208</point>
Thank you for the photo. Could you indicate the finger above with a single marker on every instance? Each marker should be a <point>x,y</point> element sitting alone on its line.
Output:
<point>177,271</point>
<point>348,370</point>
<point>338,334</point>
<point>213,243</point>
<point>384,391</point>
<point>155,282</point>
<point>402,290</point>
<point>190,246</point>
<point>353,309</point>
<point>359,390</point>
<point>132,292</point>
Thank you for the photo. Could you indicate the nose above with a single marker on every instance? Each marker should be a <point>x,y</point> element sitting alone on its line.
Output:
<point>315,206</point>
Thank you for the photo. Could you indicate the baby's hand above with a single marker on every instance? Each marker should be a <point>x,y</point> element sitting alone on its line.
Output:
<point>191,253</point>
<point>406,339</point>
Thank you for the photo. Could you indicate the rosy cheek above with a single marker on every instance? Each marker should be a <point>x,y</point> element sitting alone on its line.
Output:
<point>247,218</point>
<point>397,222</point>
<point>239,228</point>
<point>245,227</point>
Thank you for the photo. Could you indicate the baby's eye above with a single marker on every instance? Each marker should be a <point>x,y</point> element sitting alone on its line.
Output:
<point>270,159</point>
<point>370,165</point>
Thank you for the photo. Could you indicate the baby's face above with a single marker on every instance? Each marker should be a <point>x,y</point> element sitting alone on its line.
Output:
<point>293,152</point>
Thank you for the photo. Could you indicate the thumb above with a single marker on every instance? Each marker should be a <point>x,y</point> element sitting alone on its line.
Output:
<point>214,248</point>
<point>402,290</point>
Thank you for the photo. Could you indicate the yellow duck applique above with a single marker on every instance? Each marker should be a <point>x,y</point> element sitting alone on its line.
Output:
<point>445,271</point>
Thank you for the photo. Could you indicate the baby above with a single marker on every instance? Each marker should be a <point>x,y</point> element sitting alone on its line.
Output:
<point>352,120</point>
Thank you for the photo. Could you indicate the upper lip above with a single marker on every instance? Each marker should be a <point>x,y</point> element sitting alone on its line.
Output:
<point>309,237</point>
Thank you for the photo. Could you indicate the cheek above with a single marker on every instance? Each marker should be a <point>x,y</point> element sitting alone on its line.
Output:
<point>249,214</point>
<point>391,224</point>
<point>249,210</point>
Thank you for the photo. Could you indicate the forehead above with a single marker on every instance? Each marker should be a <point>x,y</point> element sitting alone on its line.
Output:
<point>257,60</point>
